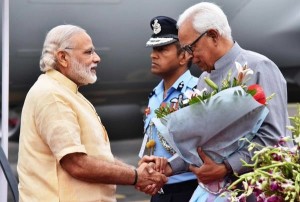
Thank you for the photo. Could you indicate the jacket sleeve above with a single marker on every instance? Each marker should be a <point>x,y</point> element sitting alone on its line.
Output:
<point>178,165</point>
<point>274,126</point>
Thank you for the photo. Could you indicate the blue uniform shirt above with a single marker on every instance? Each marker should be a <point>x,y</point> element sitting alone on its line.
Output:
<point>185,82</point>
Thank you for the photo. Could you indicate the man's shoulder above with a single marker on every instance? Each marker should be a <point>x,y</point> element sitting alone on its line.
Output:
<point>194,79</point>
<point>193,82</point>
<point>45,88</point>
<point>190,80</point>
<point>264,65</point>
<point>42,85</point>
<point>255,57</point>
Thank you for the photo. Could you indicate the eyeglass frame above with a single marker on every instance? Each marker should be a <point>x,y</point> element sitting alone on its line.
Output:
<point>188,48</point>
<point>92,50</point>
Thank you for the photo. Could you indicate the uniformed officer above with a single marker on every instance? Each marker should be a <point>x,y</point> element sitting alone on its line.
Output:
<point>171,64</point>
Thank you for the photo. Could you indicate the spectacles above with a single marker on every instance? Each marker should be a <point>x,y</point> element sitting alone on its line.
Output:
<point>90,51</point>
<point>189,48</point>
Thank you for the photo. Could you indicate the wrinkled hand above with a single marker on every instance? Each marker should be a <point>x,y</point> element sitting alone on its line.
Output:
<point>209,171</point>
<point>161,163</point>
<point>149,180</point>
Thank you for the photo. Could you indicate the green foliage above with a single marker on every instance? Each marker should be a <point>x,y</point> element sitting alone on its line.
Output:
<point>163,111</point>
<point>276,170</point>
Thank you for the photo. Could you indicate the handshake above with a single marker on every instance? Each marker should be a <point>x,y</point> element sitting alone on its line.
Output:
<point>153,171</point>
<point>152,174</point>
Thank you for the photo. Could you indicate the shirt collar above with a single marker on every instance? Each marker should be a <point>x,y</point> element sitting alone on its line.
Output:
<point>184,78</point>
<point>62,79</point>
<point>226,60</point>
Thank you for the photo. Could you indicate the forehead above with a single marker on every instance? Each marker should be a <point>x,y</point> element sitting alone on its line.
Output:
<point>81,40</point>
<point>186,32</point>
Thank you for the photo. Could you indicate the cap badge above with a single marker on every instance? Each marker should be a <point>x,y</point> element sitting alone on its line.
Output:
<point>156,27</point>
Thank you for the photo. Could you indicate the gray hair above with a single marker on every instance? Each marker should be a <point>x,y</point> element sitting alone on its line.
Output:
<point>57,38</point>
<point>206,16</point>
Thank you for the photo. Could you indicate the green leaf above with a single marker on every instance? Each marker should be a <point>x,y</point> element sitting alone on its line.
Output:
<point>251,92</point>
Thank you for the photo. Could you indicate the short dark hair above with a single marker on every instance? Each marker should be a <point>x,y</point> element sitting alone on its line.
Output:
<point>180,50</point>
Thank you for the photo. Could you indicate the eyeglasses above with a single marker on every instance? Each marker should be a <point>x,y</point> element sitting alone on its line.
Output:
<point>189,48</point>
<point>90,51</point>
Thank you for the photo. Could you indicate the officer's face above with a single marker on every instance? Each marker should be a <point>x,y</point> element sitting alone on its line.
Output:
<point>165,60</point>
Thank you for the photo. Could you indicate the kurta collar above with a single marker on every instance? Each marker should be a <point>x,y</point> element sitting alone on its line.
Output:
<point>62,79</point>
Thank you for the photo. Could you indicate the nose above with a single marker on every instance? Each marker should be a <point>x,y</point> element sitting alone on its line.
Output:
<point>153,54</point>
<point>96,58</point>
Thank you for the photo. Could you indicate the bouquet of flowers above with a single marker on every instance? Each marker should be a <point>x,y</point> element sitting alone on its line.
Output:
<point>276,170</point>
<point>215,121</point>
<point>232,112</point>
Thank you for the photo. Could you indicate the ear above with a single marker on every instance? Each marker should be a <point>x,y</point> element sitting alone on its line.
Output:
<point>184,57</point>
<point>62,58</point>
<point>214,34</point>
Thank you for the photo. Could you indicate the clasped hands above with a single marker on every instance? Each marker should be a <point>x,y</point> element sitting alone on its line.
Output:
<point>152,174</point>
<point>158,168</point>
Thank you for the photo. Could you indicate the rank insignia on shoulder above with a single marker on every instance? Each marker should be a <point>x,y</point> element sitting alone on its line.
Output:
<point>195,87</point>
<point>180,86</point>
<point>151,94</point>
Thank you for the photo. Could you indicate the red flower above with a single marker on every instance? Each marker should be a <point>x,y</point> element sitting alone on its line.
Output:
<point>258,93</point>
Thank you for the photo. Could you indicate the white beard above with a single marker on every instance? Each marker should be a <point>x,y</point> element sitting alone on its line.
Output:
<point>81,73</point>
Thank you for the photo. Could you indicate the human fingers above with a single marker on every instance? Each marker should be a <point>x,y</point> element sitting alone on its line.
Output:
<point>197,171</point>
<point>144,172</point>
<point>194,169</point>
<point>165,163</point>
<point>151,167</point>
<point>161,164</point>
<point>145,159</point>
<point>147,174</point>
<point>203,156</point>
<point>154,190</point>
<point>201,173</point>
<point>149,185</point>
<point>151,189</point>
<point>159,179</point>
<point>148,189</point>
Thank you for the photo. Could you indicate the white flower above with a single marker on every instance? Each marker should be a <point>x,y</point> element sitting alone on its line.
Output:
<point>291,128</point>
<point>293,149</point>
<point>297,139</point>
<point>192,93</point>
<point>243,72</point>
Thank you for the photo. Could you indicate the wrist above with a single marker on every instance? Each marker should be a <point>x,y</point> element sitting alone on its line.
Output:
<point>168,171</point>
<point>135,177</point>
<point>228,167</point>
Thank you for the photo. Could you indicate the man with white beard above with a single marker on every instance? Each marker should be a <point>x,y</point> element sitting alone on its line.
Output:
<point>64,150</point>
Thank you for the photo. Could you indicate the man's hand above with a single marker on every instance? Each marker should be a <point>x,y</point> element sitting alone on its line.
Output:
<point>149,180</point>
<point>209,171</point>
<point>161,164</point>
